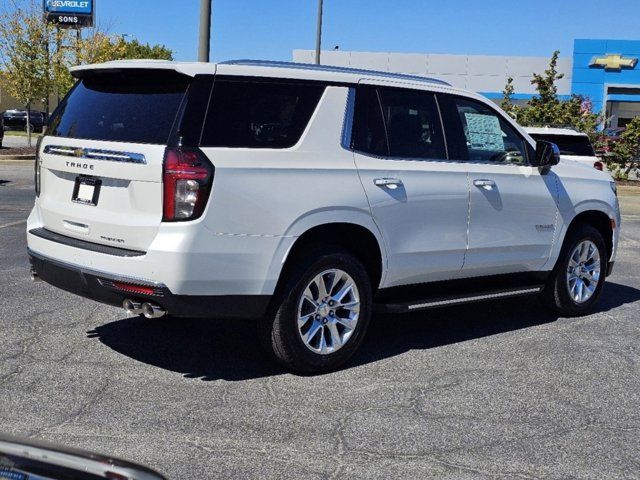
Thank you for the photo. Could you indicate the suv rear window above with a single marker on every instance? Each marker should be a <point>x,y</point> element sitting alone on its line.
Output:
<point>568,144</point>
<point>133,106</point>
<point>258,113</point>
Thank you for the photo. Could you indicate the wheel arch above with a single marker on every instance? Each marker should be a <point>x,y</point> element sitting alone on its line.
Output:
<point>596,218</point>
<point>356,238</point>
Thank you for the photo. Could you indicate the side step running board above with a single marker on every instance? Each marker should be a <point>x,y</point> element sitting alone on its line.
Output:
<point>424,304</point>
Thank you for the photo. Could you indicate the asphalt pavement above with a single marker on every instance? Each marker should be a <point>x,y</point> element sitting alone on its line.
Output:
<point>491,390</point>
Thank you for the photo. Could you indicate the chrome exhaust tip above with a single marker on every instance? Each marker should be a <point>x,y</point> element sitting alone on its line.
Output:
<point>131,307</point>
<point>34,275</point>
<point>151,310</point>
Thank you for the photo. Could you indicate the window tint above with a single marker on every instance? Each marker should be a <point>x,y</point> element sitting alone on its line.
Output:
<point>369,135</point>
<point>568,144</point>
<point>259,114</point>
<point>477,133</point>
<point>413,124</point>
<point>129,106</point>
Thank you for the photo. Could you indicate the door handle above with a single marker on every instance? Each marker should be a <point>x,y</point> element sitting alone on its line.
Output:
<point>484,183</point>
<point>390,183</point>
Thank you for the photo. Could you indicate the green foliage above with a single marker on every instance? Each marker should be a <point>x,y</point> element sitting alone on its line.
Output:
<point>135,49</point>
<point>25,58</point>
<point>627,147</point>
<point>619,173</point>
<point>506,104</point>
<point>546,108</point>
<point>546,85</point>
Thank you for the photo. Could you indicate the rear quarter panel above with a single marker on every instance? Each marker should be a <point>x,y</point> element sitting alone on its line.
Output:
<point>283,193</point>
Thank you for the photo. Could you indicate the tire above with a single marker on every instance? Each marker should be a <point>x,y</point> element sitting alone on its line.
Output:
<point>557,294</point>
<point>280,332</point>
<point>32,128</point>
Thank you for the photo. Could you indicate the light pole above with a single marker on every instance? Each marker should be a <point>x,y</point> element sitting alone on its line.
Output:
<point>319,32</point>
<point>205,31</point>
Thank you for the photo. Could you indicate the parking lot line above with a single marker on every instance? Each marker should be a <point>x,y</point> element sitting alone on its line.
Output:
<point>13,224</point>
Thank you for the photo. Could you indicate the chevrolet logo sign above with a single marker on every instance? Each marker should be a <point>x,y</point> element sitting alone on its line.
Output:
<point>613,61</point>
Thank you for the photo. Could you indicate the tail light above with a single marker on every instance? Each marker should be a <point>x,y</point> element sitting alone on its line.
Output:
<point>598,166</point>
<point>187,182</point>
<point>37,167</point>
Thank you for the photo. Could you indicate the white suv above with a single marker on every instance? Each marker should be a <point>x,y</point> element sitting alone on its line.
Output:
<point>573,145</point>
<point>306,197</point>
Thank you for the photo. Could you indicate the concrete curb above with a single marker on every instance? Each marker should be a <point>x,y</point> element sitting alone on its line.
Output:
<point>23,158</point>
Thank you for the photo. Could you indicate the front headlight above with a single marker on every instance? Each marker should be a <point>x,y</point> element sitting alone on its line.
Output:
<point>614,187</point>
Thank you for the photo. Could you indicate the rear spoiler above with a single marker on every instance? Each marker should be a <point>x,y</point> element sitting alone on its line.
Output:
<point>186,68</point>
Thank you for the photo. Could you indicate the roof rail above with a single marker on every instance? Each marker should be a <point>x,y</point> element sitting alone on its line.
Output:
<point>330,68</point>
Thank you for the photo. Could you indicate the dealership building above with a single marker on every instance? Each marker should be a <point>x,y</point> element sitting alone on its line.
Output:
<point>605,71</point>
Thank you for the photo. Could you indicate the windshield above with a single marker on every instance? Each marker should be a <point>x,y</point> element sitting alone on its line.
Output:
<point>568,144</point>
<point>130,106</point>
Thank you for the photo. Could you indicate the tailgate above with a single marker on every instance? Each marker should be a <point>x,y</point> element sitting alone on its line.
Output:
<point>102,157</point>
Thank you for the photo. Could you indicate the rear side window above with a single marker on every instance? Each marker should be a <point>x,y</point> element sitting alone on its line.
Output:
<point>129,106</point>
<point>413,124</point>
<point>369,134</point>
<point>568,144</point>
<point>259,113</point>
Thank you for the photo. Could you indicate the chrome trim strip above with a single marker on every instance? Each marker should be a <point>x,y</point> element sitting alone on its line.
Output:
<point>98,273</point>
<point>96,154</point>
<point>347,126</point>
<point>475,298</point>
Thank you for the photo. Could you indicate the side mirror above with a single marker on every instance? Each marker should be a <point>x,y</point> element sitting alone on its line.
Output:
<point>547,154</point>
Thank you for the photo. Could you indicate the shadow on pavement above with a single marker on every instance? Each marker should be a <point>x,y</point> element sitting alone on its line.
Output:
<point>229,349</point>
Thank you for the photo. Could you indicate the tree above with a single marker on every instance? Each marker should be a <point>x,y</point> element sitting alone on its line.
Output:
<point>25,55</point>
<point>545,108</point>
<point>135,49</point>
<point>624,151</point>
<point>35,56</point>
<point>507,104</point>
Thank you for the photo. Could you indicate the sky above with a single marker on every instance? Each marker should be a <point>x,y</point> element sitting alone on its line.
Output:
<point>272,29</point>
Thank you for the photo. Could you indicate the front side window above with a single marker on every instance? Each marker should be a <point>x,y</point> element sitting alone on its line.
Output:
<point>413,124</point>
<point>255,113</point>
<point>479,134</point>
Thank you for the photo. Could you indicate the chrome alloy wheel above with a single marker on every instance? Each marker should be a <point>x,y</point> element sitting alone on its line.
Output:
<point>328,311</point>
<point>583,271</point>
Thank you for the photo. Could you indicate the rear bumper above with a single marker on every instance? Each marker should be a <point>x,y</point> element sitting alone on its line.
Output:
<point>188,258</point>
<point>99,286</point>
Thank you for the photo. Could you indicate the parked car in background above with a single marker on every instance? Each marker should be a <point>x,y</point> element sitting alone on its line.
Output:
<point>17,120</point>
<point>1,130</point>
<point>613,132</point>
<point>573,145</point>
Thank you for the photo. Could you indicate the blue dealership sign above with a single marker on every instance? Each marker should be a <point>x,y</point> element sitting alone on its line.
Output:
<point>69,13</point>
<point>68,6</point>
